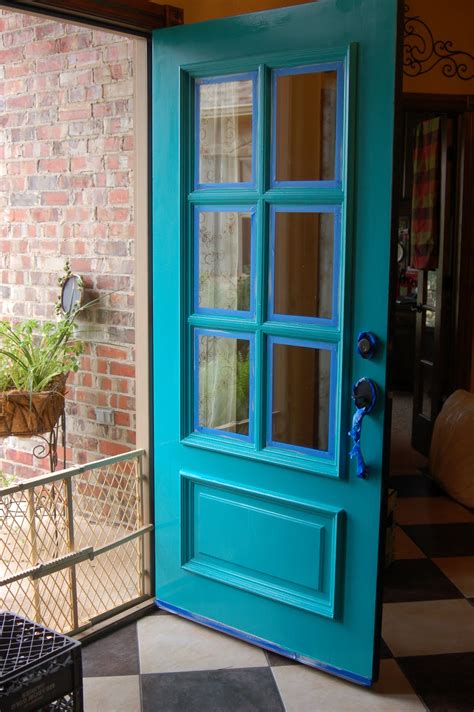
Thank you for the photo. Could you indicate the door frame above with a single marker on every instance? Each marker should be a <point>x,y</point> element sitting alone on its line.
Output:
<point>137,31</point>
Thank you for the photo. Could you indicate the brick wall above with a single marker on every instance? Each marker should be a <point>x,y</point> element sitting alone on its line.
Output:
<point>66,173</point>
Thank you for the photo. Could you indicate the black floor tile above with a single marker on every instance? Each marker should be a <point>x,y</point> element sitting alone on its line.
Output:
<point>115,654</point>
<point>385,651</point>
<point>243,690</point>
<point>415,486</point>
<point>445,683</point>
<point>443,539</point>
<point>417,580</point>
<point>276,660</point>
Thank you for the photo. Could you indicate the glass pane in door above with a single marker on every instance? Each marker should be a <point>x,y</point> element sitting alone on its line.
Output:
<point>224,260</point>
<point>303,264</point>
<point>305,125</point>
<point>300,396</point>
<point>226,125</point>
<point>223,395</point>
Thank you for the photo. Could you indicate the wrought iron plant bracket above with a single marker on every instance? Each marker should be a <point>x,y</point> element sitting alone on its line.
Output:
<point>422,53</point>
<point>49,445</point>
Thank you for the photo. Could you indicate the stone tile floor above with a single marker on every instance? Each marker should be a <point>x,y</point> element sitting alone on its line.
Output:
<point>165,664</point>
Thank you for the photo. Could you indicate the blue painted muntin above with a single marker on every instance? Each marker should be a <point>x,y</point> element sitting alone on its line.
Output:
<point>328,31</point>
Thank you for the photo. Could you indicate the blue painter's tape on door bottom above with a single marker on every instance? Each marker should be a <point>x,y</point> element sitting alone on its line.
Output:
<point>266,644</point>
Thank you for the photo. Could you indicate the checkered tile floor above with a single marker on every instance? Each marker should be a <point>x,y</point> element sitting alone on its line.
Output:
<point>166,664</point>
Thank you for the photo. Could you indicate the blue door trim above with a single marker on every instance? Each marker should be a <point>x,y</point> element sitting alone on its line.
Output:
<point>261,643</point>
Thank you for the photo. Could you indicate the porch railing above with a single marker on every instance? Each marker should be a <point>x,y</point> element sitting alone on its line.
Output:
<point>73,544</point>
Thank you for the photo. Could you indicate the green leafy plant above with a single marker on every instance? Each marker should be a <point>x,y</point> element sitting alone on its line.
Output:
<point>242,386</point>
<point>32,355</point>
<point>6,480</point>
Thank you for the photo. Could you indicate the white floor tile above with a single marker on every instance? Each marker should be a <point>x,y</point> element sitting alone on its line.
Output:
<point>460,570</point>
<point>430,510</point>
<point>172,644</point>
<point>305,690</point>
<point>405,548</point>
<point>428,627</point>
<point>112,694</point>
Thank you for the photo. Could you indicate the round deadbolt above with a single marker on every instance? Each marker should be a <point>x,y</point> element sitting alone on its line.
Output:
<point>366,344</point>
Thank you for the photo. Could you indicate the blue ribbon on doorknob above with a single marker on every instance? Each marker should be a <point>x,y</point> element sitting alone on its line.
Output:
<point>364,393</point>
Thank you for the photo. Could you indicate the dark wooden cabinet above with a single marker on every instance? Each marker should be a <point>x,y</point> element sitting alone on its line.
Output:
<point>403,347</point>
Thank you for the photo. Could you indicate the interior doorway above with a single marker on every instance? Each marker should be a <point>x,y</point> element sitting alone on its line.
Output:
<point>432,323</point>
<point>428,583</point>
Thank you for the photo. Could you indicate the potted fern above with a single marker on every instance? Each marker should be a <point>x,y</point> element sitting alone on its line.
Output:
<point>35,360</point>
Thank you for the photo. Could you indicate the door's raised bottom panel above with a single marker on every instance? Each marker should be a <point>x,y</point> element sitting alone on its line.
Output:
<point>286,550</point>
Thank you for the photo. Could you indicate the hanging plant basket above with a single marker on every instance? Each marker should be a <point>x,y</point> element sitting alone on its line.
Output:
<point>25,414</point>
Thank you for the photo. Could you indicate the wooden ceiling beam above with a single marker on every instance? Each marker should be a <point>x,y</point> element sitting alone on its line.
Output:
<point>141,16</point>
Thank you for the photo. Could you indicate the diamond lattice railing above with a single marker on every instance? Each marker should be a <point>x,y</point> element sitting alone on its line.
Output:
<point>73,544</point>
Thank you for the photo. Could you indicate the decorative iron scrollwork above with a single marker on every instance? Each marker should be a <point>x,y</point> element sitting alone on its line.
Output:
<point>422,53</point>
<point>49,445</point>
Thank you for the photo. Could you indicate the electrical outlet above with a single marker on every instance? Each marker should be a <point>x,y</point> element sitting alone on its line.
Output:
<point>104,416</point>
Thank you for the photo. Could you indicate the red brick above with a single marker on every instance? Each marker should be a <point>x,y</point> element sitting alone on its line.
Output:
<point>75,78</point>
<point>14,86</point>
<point>38,49</point>
<point>55,198</point>
<point>87,56</point>
<point>53,165</point>
<point>86,163</point>
<point>119,195</point>
<point>75,42</point>
<point>46,133</point>
<point>122,418</point>
<point>113,214</point>
<point>112,352</point>
<point>117,52</point>
<point>54,63</point>
<point>26,458</point>
<point>122,369</point>
<point>44,215</point>
<point>18,37</point>
<point>20,69</point>
<point>86,396</point>
<point>109,448</point>
<point>8,56</point>
<point>75,114</point>
<point>24,101</point>
<point>51,29</point>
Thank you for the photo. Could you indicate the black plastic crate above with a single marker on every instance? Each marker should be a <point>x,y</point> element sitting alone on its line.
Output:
<point>39,668</point>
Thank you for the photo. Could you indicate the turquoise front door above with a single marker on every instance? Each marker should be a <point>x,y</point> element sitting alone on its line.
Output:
<point>272,164</point>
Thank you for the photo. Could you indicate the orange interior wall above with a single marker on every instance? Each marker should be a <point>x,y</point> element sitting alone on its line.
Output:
<point>454,22</point>
<point>199,10</point>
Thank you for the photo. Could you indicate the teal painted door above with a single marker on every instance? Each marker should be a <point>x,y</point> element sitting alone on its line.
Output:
<point>272,165</point>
